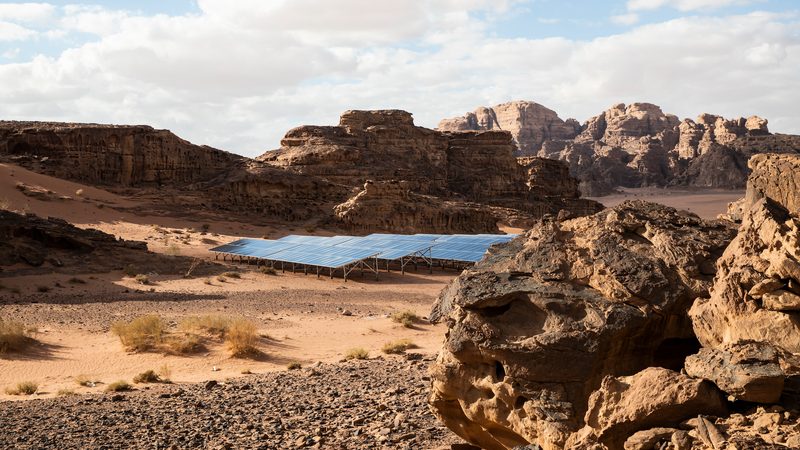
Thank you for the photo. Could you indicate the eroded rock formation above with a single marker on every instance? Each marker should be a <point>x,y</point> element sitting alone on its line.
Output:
<point>576,335</point>
<point>391,205</point>
<point>530,124</point>
<point>635,145</point>
<point>537,326</point>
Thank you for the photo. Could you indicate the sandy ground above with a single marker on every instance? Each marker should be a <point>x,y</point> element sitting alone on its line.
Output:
<point>300,317</point>
<point>705,203</point>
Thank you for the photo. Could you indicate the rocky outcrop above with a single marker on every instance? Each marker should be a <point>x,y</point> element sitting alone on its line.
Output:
<point>776,177</point>
<point>32,245</point>
<point>530,124</point>
<point>536,327</point>
<point>746,370</point>
<point>636,145</point>
<point>390,206</point>
<point>652,397</point>
<point>548,178</point>
<point>113,155</point>
<point>467,166</point>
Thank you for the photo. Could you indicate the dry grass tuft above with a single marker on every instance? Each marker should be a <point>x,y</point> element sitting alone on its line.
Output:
<point>397,347</point>
<point>241,338</point>
<point>14,337</point>
<point>65,393</point>
<point>148,376</point>
<point>232,275</point>
<point>269,270</point>
<point>119,386</point>
<point>142,278</point>
<point>85,381</point>
<point>405,318</point>
<point>294,366</point>
<point>182,344</point>
<point>23,388</point>
<point>356,353</point>
<point>210,324</point>
<point>142,333</point>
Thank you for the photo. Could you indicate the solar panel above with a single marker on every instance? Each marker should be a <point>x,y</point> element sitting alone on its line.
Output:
<point>257,248</point>
<point>323,255</point>
<point>459,251</point>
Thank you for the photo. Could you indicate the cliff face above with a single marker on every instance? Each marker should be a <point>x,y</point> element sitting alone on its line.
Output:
<point>529,123</point>
<point>636,145</point>
<point>466,166</point>
<point>125,156</point>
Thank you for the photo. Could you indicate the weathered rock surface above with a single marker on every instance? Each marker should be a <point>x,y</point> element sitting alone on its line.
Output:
<point>653,397</point>
<point>470,166</point>
<point>535,328</point>
<point>748,371</point>
<point>391,206</point>
<point>761,261</point>
<point>529,123</point>
<point>31,244</point>
<point>776,177</point>
<point>636,145</point>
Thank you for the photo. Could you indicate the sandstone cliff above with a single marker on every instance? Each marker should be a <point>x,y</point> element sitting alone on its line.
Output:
<point>530,124</point>
<point>635,145</point>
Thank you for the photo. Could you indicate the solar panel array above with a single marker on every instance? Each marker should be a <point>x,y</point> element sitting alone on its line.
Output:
<point>341,251</point>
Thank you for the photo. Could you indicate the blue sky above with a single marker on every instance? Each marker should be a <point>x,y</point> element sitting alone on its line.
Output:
<point>238,74</point>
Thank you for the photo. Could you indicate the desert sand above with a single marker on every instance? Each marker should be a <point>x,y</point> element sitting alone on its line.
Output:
<point>706,203</point>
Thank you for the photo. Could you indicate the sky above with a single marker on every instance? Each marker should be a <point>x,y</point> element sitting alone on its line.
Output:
<point>237,75</point>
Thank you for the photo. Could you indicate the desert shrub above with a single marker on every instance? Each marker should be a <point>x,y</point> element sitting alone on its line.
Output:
<point>140,334</point>
<point>269,270</point>
<point>399,346</point>
<point>221,279</point>
<point>405,318</point>
<point>165,373</point>
<point>356,353</point>
<point>119,386</point>
<point>232,275</point>
<point>182,344</point>
<point>211,324</point>
<point>241,337</point>
<point>173,249</point>
<point>294,366</point>
<point>14,337</point>
<point>208,282</point>
<point>142,279</point>
<point>65,393</point>
<point>148,376</point>
<point>130,271</point>
<point>23,388</point>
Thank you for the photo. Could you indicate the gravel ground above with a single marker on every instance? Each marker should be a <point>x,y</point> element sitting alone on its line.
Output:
<point>379,403</point>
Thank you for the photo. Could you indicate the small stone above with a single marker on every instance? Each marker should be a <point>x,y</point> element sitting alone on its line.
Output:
<point>210,384</point>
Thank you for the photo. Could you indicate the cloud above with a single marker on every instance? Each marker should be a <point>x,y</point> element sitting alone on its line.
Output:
<point>683,5</point>
<point>239,75</point>
<point>13,32</point>
<point>625,19</point>
<point>27,13</point>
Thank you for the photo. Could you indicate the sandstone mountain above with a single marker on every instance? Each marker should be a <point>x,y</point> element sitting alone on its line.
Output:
<point>635,145</point>
<point>638,327</point>
<point>316,178</point>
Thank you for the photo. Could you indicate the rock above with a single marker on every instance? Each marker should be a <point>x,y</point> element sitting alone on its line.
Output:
<point>780,300</point>
<point>681,440</point>
<point>390,206</point>
<point>776,177</point>
<point>767,421</point>
<point>767,247</point>
<point>535,328</point>
<point>648,439</point>
<point>529,123</point>
<point>709,434</point>
<point>210,384</point>
<point>748,371</point>
<point>756,125</point>
<point>653,397</point>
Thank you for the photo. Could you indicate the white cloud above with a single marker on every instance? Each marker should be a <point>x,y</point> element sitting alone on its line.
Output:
<point>625,19</point>
<point>683,5</point>
<point>13,32</point>
<point>239,78</point>
<point>28,13</point>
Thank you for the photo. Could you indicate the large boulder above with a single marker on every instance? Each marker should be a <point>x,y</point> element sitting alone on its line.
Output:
<point>652,397</point>
<point>747,371</point>
<point>535,328</point>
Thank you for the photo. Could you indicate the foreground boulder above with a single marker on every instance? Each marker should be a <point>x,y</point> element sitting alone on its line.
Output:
<point>748,371</point>
<point>650,398</point>
<point>537,326</point>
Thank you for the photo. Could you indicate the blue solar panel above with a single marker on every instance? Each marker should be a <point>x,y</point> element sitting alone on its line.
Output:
<point>323,256</point>
<point>459,251</point>
<point>257,248</point>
